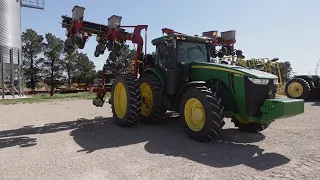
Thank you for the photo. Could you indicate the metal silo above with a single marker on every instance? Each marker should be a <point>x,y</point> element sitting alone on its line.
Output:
<point>11,74</point>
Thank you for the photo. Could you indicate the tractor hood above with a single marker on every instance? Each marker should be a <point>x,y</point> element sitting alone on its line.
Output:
<point>235,69</point>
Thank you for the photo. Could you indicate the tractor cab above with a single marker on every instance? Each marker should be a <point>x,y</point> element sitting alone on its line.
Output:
<point>177,50</point>
<point>175,55</point>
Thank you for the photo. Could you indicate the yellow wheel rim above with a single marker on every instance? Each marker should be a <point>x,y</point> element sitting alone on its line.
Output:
<point>295,89</point>
<point>241,120</point>
<point>120,100</point>
<point>194,114</point>
<point>147,99</point>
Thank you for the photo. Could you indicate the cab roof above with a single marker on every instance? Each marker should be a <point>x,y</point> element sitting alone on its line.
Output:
<point>183,38</point>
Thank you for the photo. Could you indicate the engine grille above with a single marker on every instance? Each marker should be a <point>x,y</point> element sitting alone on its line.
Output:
<point>255,94</point>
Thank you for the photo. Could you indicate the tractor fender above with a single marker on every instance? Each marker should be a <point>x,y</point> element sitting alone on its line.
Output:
<point>307,78</point>
<point>184,88</point>
<point>158,73</point>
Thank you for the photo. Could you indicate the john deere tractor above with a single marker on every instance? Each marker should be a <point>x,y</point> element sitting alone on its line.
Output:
<point>182,77</point>
<point>306,87</point>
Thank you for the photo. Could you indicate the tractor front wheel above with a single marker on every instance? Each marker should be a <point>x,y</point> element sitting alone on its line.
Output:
<point>125,100</point>
<point>202,112</point>
<point>247,126</point>
<point>297,88</point>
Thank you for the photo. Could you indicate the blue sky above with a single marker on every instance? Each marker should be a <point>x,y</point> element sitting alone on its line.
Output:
<point>273,28</point>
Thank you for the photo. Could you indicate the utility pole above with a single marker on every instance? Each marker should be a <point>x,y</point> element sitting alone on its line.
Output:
<point>316,71</point>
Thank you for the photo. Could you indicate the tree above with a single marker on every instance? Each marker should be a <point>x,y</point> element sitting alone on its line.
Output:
<point>85,69</point>
<point>70,62</point>
<point>52,63</point>
<point>286,70</point>
<point>119,62</point>
<point>31,48</point>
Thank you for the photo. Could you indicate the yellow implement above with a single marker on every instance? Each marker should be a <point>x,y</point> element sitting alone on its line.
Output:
<point>262,64</point>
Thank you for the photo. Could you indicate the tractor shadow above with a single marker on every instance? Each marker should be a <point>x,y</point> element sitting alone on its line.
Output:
<point>169,138</point>
<point>316,103</point>
<point>17,141</point>
<point>314,98</point>
<point>18,137</point>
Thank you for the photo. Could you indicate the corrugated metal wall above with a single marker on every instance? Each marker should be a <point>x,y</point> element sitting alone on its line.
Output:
<point>10,28</point>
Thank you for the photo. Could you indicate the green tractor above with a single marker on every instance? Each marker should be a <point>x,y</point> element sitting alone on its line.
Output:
<point>183,79</point>
<point>306,87</point>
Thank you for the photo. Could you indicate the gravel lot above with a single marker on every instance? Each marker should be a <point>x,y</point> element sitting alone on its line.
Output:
<point>75,140</point>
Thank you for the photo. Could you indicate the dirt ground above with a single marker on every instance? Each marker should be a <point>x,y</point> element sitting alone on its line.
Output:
<point>75,140</point>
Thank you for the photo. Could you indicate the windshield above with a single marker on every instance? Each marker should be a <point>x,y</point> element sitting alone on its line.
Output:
<point>191,52</point>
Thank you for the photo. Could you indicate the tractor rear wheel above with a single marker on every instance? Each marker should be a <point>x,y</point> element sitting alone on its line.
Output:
<point>125,100</point>
<point>247,126</point>
<point>202,112</point>
<point>152,110</point>
<point>297,88</point>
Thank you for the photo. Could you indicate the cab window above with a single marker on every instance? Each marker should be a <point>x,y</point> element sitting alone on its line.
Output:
<point>191,52</point>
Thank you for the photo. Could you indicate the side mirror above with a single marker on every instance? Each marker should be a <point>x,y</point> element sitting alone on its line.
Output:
<point>212,51</point>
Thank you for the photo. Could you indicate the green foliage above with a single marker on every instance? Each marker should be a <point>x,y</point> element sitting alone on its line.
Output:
<point>69,64</point>
<point>85,69</point>
<point>118,63</point>
<point>31,48</point>
<point>52,63</point>
<point>286,70</point>
<point>55,66</point>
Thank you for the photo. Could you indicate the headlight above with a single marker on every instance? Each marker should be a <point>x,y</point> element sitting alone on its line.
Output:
<point>275,81</point>
<point>259,81</point>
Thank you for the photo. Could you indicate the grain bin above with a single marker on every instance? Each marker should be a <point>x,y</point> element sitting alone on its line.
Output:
<point>10,28</point>
<point>11,74</point>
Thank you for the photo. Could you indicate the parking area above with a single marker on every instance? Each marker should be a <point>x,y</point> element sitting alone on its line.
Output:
<point>75,140</point>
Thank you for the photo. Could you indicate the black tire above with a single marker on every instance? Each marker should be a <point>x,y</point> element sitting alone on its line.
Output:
<point>157,110</point>
<point>213,113</point>
<point>305,85</point>
<point>133,107</point>
<point>249,127</point>
<point>311,84</point>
